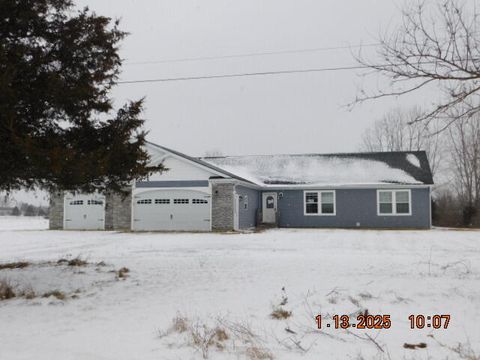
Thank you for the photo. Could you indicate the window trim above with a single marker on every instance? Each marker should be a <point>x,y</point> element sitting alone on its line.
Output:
<point>319,195</point>
<point>394,202</point>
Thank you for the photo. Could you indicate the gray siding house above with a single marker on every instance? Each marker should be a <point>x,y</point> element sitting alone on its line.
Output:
<point>356,190</point>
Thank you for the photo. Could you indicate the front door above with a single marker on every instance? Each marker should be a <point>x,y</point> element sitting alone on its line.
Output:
<point>269,208</point>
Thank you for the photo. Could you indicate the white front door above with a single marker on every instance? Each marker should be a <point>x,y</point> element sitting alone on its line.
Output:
<point>84,212</point>
<point>269,207</point>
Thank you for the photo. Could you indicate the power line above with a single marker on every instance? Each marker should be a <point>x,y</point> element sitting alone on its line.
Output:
<point>262,73</point>
<point>266,53</point>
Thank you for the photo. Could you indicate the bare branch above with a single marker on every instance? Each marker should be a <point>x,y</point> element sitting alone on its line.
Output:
<point>435,45</point>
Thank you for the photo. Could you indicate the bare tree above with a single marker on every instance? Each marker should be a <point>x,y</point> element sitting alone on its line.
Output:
<point>465,152</point>
<point>213,153</point>
<point>436,44</point>
<point>397,131</point>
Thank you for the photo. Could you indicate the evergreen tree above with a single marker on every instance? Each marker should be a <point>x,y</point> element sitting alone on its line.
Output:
<point>58,128</point>
<point>16,211</point>
<point>30,211</point>
<point>42,212</point>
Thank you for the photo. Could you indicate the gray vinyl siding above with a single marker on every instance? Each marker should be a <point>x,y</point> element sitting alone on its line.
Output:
<point>248,217</point>
<point>354,206</point>
<point>170,184</point>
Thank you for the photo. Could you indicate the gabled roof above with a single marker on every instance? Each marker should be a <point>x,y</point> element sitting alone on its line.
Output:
<point>409,167</point>
<point>200,162</point>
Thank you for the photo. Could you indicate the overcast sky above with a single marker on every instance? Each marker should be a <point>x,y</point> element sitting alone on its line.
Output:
<point>294,113</point>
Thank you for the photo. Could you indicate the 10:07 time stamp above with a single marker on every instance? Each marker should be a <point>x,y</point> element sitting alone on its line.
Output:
<point>382,321</point>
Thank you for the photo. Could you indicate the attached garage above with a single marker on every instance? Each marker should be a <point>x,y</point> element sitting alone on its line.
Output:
<point>84,212</point>
<point>172,210</point>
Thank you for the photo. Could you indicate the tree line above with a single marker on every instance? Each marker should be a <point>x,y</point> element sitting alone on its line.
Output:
<point>435,47</point>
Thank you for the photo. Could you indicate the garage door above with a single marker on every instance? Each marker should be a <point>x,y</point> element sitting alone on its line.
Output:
<point>84,212</point>
<point>173,210</point>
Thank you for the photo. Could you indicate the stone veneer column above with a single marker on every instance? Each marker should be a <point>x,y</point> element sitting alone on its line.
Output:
<point>55,216</point>
<point>222,206</point>
<point>121,210</point>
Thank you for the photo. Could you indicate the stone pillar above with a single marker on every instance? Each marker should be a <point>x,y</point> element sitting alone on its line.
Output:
<point>120,210</point>
<point>223,203</point>
<point>55,216</point>
<point>109,211</point>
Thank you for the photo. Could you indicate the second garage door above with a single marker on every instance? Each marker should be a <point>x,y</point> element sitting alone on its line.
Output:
<point>171,210</point>
<point>84,212</point>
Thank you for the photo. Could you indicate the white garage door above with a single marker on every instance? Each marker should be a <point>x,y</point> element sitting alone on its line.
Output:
<point>84,212</point>
<point>173,210</point>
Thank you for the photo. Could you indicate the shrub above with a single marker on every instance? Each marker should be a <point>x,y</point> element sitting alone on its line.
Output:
<point>180,324</point>
<point>258,353</point>
<point>122,273</point>
<point>77,262</point>
<point>28,293</point>
<point>279,314</point>
<point>56,293</point>
<point>14,265</point>
<point>6,290</point>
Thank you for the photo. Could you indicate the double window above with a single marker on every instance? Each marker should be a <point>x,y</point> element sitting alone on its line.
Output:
<point>319,203</point>
<point>394,202</point>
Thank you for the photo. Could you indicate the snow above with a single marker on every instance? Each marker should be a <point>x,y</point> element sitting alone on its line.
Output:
<point>412,159</point>
<point>312,170</point>
<point>23,223</point>
<point>239,277</point>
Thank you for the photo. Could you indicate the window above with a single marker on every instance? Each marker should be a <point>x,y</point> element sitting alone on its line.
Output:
<point>180,201</point>
<point>328,202</point>
<point>144,201</point>
<point>394,202</point>
<point>385,202</point>
<point>162,201</point>
<point>95,202</point>
<point>311,203</point>
<point>199,201</point>
<point>319,202</point>
<point>245,202</point>
<point>402,202</point>
<point>270,201</point>
<point>76,202</point>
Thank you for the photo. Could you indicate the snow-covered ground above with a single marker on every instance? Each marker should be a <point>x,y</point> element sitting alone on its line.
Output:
<point>233,281</point>
<point>23,223</point>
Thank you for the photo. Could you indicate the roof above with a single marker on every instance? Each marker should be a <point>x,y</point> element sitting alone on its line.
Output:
<point>200,162</point>
<point>405,167</point>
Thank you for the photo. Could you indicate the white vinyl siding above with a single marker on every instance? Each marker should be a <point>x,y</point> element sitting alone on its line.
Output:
<point>394,202</point>
<point>319,203</point>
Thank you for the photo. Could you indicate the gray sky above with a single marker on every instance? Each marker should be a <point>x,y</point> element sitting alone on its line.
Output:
<point>297,113</point>
<point>294,113</point>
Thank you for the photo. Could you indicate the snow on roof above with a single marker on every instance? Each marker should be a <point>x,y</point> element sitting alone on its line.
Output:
<point>339,169</point>
<point>412,159</point>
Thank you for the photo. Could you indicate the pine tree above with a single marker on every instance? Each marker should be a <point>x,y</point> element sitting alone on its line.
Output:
<point>30,211</point>
<point>58,128</point>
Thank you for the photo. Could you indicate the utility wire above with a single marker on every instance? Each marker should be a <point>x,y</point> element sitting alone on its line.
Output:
<point>165,61</point>
<point>262,73</point>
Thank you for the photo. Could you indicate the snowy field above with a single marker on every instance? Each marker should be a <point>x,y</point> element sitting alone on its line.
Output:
<point>221,290</point>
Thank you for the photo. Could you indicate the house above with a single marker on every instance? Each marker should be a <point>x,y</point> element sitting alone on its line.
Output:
<point>355,190</point>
